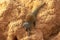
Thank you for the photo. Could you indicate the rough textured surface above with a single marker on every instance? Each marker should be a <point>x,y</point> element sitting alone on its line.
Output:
<point>12,15</point>
<point>57,37</point>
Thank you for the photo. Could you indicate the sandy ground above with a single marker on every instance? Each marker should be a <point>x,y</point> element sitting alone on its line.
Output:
<point>13,13</point>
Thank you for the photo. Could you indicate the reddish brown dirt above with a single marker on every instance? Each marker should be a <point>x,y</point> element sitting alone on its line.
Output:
<point>13,13</point>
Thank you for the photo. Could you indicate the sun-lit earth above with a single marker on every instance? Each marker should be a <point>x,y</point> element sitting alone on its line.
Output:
<point>13,13</point>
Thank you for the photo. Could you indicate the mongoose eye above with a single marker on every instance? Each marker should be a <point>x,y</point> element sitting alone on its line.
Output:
<point>26,25</point>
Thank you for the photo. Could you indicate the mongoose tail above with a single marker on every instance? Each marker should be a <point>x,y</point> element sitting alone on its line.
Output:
<point>37,9</point>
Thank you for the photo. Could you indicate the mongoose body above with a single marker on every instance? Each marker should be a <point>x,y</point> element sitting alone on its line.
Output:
<point>31,18</point>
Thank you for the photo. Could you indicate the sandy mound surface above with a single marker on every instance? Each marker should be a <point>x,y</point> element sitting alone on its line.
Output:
<point>13,13</point>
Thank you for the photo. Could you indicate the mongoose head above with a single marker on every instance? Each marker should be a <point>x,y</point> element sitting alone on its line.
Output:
<point>26,25</point>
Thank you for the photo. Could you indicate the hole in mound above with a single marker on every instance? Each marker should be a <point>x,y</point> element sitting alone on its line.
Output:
<point>15,38</point>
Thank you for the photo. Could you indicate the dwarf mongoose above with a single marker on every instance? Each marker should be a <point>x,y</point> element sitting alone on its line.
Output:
<point>31,18</point>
